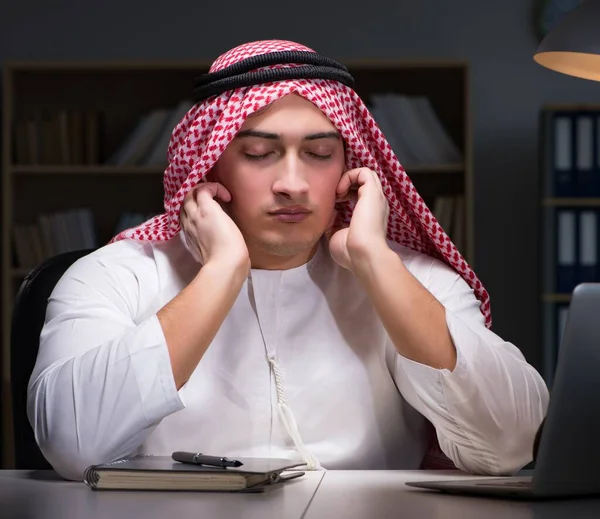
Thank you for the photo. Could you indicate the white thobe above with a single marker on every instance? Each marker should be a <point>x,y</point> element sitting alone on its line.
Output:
<point>103,387</point>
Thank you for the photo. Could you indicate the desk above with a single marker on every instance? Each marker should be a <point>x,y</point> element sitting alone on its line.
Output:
<point>382,494</point>
<point>317,495</point>
<point>43,495</point>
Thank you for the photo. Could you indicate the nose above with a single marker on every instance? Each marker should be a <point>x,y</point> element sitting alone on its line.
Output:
<point>291,181</point>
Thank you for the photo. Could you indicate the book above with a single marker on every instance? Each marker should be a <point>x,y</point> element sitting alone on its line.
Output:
<point>150,472</point>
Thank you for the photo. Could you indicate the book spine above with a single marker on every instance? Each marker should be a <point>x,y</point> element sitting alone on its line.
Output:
<point>91,475</point>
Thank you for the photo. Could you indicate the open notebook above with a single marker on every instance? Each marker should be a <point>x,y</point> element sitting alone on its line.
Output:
<point>147,472</point>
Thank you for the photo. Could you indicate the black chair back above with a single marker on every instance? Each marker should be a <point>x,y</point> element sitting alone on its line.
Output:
<point>29,312</point>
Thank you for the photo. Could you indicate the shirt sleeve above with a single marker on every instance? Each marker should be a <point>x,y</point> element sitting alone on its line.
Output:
<point>487,410</point>
<point>102,379</point>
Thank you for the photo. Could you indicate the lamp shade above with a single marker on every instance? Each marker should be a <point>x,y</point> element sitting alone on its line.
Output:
<point>573,46</point>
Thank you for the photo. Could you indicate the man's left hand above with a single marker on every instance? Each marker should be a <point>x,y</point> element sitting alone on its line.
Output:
<point>368,227</point>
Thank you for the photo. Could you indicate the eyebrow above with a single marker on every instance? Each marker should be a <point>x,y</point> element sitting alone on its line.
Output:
<point>276,137</point>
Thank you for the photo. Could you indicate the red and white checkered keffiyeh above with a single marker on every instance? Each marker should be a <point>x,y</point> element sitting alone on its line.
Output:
<point>206,130</point>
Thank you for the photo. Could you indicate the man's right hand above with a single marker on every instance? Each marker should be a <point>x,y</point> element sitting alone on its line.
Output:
<point>211,234</point>
<point>193,317</point>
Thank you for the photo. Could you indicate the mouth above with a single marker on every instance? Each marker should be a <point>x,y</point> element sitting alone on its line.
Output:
<point>291,214</point>
<point>291,210</point>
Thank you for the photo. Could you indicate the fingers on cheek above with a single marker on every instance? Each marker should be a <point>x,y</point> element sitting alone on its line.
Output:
<point>342,182</point>
<point>343,189</point>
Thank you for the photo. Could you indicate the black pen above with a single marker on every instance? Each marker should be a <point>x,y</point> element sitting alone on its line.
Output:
<point>197,458</point>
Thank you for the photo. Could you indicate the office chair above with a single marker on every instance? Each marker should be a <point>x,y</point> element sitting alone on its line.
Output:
<point>29,311</point>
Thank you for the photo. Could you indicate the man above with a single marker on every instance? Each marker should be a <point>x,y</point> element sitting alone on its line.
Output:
<point>296,299</point>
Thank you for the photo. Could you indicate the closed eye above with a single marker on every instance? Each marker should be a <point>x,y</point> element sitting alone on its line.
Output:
<point>262,156</point>
<point>249,156</point>
<point>318,156</point>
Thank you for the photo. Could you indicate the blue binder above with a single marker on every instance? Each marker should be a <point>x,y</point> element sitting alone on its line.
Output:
<point>575,160</point>
<point>585,134</point>
<point>577,247</point>
<point>567,245</point>
<point>587,257</point>
<point>563,154</point>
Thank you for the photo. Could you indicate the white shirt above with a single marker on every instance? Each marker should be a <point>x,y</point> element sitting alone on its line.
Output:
<point>103,387</point>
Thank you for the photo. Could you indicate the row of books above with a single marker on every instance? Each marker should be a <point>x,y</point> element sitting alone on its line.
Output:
<point>148,141</point>
<point>58,137</point>
<point>572,153</point>
<point>62,231</point>
<point>576,250</point>
<point>414,130</point>
<point>77,137</point>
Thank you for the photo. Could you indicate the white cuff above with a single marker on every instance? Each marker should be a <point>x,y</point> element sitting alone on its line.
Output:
<point>158,391</point>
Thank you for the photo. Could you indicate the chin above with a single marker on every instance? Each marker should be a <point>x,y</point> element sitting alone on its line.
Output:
<point>286,246</point>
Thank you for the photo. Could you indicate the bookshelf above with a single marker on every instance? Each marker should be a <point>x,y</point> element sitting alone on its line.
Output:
<point>64,123</point>
<point>570,214</point>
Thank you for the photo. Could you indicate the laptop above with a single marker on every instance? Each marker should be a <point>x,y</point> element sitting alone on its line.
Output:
<point>567,449</point>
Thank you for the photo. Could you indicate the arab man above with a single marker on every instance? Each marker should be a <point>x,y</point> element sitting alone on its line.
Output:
<point>296,299</point>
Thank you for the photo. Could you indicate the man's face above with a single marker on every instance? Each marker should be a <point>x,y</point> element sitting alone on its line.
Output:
<point>282,170</point>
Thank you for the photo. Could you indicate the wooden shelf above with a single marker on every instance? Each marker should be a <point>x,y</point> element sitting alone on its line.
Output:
<point>569,202</point>
<point>86,170</point>
<point>556,298</point>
